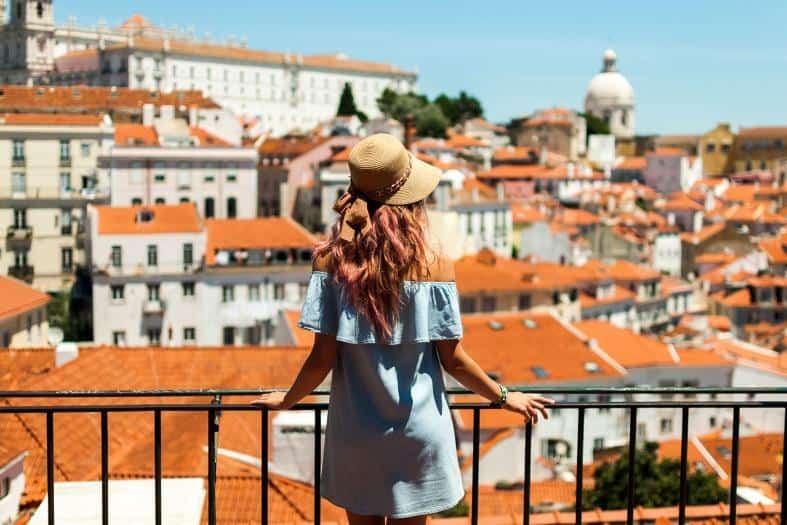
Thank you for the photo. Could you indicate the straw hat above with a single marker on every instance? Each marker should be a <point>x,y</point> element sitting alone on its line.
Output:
<point>384,171</point>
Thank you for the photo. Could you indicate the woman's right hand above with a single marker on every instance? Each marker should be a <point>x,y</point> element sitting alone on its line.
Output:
<point>529,405</point>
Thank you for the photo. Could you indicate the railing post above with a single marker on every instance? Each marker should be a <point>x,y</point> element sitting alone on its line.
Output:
<point>784,471</point>
<point>317,465</point>
<point>580,461</point>
<point>157,462</point>
<point>50,466</point>
<point>632,461</point>
<point>104,468</point>
<point>526,488</point>
<point>736,417</point>
<point>684,445</point>
<point>264,466</point>
<point>476,447</point>
<point>213,430</point>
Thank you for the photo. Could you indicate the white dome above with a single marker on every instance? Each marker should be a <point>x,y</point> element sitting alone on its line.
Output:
<point>609,88</point>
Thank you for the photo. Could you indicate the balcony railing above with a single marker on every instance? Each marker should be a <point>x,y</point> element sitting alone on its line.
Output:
<point>213,407</point>
<point>153,307</point>
<point>23,273</point>
<point>19,235</point>
<point>52,193</point>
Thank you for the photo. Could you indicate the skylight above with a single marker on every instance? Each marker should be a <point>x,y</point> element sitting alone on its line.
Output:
<point>539,372</point>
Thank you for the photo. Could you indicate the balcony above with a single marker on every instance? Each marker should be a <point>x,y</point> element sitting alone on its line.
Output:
<point>19,236</point>
<point>65,162</point>
<point>23,273</point>
<point>153,307</point>
<point>51,196</point>
<point>109,406</point>
<point>18,162</point>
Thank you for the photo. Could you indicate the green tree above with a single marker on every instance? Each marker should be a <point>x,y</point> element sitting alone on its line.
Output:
<point>408,104</point>
<point>656,483</point>
<point>449,107</point>
<point>468,107</point>
<point>347,106</point>
<point>595,125</point>
<point>386,101</point>
<point>430,122</point>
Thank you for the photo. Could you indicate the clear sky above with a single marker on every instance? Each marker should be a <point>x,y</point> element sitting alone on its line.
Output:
<point>692,62</point>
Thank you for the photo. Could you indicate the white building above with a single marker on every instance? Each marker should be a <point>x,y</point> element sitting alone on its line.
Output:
<point>283,90</point>
<point>166,160</point>
<point>610,97</point>
<point>667,253</point>
<point>162,276</point>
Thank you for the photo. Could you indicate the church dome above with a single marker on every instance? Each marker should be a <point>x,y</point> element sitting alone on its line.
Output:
<point>610,88</point>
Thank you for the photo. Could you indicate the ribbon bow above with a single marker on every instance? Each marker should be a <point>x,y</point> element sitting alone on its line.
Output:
<point>354,212</point>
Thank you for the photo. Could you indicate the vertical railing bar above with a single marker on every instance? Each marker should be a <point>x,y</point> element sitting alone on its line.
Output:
<point>784,471</point>
<point>317,464</point>
<point>476,453</point>
<point>579,463</point>
<point>264,466</point>
<point>632,459</point>
<point>212,466</point>
<point>104,468</point>
<point>684,448</point>
<point>526,484</point>
<point>50,466</point>
<point>736,416</point>
<point>157,461</point>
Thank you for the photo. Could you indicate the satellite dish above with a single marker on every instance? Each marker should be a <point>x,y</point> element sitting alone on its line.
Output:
<point>222,258</point>
<point>54,336</point>
<point>561,449</point>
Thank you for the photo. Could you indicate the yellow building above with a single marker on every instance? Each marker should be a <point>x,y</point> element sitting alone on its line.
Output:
<point>715,147</point>
<point>23,322</point>
<point>759,148</point>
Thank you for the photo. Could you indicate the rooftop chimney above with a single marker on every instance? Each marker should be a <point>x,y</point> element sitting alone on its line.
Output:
<point>148,113</point>
<point>65,353</point>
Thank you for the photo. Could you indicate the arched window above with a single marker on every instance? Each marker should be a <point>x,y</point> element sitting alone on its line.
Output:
<point>160,200</point>
<point>232,208</point>
<point>40,9</point>
<point>624,117</point>
<point>210,208</point>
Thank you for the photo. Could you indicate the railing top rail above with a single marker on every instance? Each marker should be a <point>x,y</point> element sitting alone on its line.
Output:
<point>553,390</point>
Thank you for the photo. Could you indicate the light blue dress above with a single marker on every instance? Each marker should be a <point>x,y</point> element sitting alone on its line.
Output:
<point>390,448</point>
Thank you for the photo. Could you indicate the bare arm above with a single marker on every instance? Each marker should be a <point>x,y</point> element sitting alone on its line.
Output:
<point>314,370</point>
<point>464,369</point>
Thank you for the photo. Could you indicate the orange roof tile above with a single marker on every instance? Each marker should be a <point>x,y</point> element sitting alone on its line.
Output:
<point>465,141</point>
<point>300,336</point>
<point>703,235</point>
<point>260,233</point>
<point>512,346</point>
<point>668,152</point>
<point>632,163</point>
<point>18,366</point>
<point>205,138</point>
<point>622,270</point>
<point>619,295</point>
<point>486,272</point>
<point>135,135</point>
<point>762,131</point>
<point>511,153</point>
<point>522,213</point>
<point>626,347</point>
<point>289,147</point>
<point>775,249</point>
<point>535,171</point>
<point>166,218</point>
<point>19,298</point>
<point>681,202</point>
<point>51,119</point>
<point>715,258</point>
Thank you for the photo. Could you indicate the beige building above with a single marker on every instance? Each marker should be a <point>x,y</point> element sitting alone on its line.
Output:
<point>759,148</point>
<point>558,130</point>
<point>715,147</point>
<point>47,177</point>
<point>23,321</point>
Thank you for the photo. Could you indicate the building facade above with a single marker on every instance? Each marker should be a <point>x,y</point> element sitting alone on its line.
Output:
<point>23,321</point>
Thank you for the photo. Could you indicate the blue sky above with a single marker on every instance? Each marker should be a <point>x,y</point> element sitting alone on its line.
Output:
<point>692,63</point>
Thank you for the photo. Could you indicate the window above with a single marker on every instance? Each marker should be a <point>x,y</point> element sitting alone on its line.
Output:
<point>84,148</point>
<point>228,335</point>
<point>20,259</point>
<point>154,336</point>
<point>154,291</point>
<point>278,291</point>
<point>118,292</point>
<point>188,254</point>
<point>184,175</point>
<point>67,259</point>
<point>188,288</point>
<point>232,172</point>
<point>189,334</point>
<point>119,338</point>
<point>117,257</point>
<point>710,147</point>
<point>40,9</point>
<point>137,176</point>
<point>65,221</point>
<point>159,174</point>
<point>488,304</point>
<point>725,148</point>
<point>136,201</point>
<point>152,255</point>
<point>524,302</point>
<point>665,426</point>
<point>598,443</point>
<point>65,150</point>
<point>254,292</point>
<point>18,149</point>
<point>209,172</point>
<point>210,208</point>
<point>18,182</point>
<point>712,421</point>
<point>227,293</point>
<point>65,182</point>
<point>232,207</point>
<point>467,305</point>
<point>160,200</point>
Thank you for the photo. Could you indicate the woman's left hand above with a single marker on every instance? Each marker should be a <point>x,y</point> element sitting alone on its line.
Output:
<point>272,400</point>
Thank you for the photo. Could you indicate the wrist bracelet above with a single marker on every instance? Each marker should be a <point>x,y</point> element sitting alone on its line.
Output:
<point>499,402</point>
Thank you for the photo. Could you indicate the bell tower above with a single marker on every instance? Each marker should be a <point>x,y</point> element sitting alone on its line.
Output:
<point>27,41</point>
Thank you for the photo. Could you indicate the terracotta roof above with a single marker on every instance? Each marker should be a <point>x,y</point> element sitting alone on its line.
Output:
<point>622,270</point>
<point>775,249</point>
<point>259,233</point>
<point>703,235</point>
<point>300,336</point>
<point>632,163</point>
<point>681,202</point>
<point>762,132</point>
<point>166,218</point>
<point>342,156</point>
<point>487,272</point>
<point>79,98</point>
<point>537,171</point>
<point>512,346</point>
<point>206,138</point>
<point>289,147</point>
<point>619,295</point>
<point>510,153</point>
<point>715,258</point>
<point>17,366</point>
<point>700,357</point>
<point>735,350</point>
<point>522,213</point>
<point>135,135</point>
<point>465,141</point>
<point>51,119</point>
<point>667,151</point>
<point>19,298</point>
<point>203,49</point>
<point>626,347</point>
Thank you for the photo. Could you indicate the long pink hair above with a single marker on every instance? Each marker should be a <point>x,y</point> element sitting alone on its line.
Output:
<point>373,267</point>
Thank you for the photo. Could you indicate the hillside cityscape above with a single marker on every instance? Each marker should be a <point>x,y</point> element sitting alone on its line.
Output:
<point>160,197</point>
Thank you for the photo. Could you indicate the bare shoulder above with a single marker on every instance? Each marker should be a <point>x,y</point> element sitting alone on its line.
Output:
<point>441,269</point>
<point>323,263</point>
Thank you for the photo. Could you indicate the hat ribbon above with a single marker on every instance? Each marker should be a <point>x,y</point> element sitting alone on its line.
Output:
<point>354,212</point>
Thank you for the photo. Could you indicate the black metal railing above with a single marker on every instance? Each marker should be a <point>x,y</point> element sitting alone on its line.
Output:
<point>215,407</point>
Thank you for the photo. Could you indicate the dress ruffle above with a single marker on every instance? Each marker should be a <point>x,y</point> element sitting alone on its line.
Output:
<point>430,312</point>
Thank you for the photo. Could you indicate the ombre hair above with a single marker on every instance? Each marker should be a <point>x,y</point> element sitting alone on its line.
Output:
<point>374,265</point>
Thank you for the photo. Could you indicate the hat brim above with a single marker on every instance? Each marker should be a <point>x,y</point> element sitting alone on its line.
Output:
<point>422,181</point>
